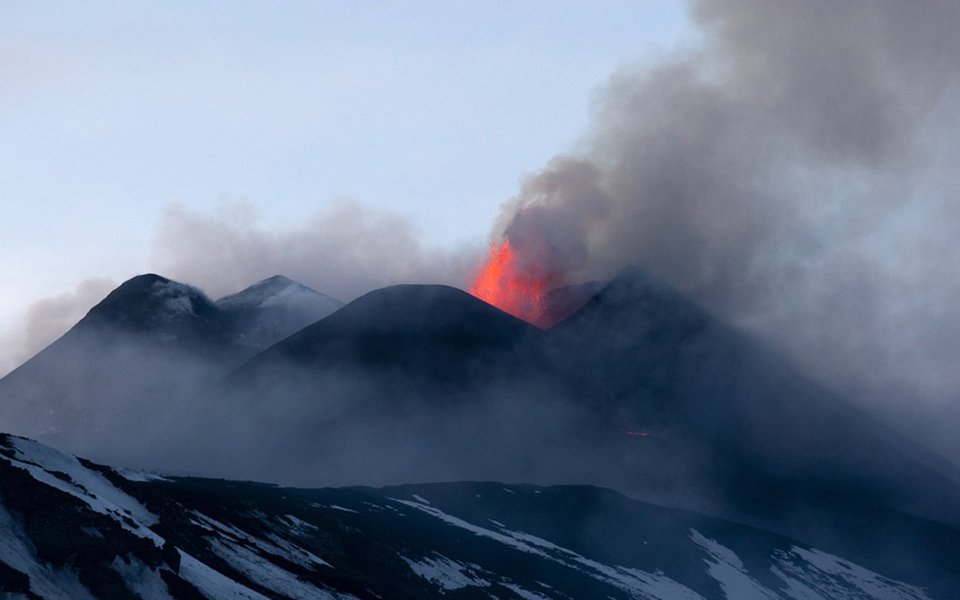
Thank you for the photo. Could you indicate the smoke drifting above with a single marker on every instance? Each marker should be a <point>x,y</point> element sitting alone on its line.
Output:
<point>343,251</point>
<point>49,318</point>
<point>796,175</point>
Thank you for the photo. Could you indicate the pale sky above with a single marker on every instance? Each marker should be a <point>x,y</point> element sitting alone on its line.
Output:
<point>113,111</point>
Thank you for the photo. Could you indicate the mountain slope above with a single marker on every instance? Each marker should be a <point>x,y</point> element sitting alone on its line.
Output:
<point>73,529</point>
<point>761,433</point>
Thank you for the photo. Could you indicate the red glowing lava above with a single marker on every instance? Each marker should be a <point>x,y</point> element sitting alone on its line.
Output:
<point>502,282</point>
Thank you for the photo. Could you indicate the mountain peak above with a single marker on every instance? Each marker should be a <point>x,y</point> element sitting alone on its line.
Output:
<point>425,328</point>
<point>151,302</point>
<point>636,296</point>
<point>269,291</point>
<point>423,308</point>
<point>273,308</point>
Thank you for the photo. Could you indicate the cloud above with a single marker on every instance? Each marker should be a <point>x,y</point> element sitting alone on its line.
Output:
<point>343,251</point>
<point>49,318</point>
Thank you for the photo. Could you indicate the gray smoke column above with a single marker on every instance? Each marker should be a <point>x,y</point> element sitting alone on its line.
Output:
<point>796,173</point>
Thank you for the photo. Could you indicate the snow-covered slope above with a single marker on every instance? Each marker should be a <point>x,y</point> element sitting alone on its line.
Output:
<point>270,310</point>
<point>73,529</point>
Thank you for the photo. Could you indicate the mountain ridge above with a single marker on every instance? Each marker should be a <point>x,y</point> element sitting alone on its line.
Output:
<point>76,529</point>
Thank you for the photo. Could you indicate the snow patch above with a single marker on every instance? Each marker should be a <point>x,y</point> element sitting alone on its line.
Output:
<point>141,579</point>
<point>258,568</point>
<point>137,475</point>
<point>815,574</point>
<point>655,586</point>
<point>273,544</point>
<point>65,473</point>
<point>46,581</point>
<point>445,573</point>
<point>726,567</point>
<point>525,594</point>
<point>212,583</point>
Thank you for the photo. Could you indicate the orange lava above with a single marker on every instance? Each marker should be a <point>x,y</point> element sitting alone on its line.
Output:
<point>502,283</point>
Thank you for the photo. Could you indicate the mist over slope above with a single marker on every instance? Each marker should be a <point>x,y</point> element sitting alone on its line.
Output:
<point>140,359</point>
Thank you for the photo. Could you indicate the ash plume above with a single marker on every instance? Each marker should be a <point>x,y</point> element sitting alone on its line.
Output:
<point>795,174</point>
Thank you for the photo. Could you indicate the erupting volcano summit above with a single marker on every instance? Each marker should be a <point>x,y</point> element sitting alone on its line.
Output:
<point>504,282</point>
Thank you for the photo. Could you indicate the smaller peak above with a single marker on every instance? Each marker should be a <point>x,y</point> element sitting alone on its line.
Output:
<point>278,279</point>
<point>634,275</point>
<point>279,283</point>
<point>636,298</point>
<point>425,308</point>
<point>274,283</point>
<point>275,289</point>
<point>636,282</point>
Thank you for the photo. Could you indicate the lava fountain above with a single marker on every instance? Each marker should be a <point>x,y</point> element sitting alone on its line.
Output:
<point>511,286</point>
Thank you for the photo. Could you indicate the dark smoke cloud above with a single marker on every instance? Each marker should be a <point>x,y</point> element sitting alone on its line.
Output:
<point>343,252</point>
<point>795,173</point>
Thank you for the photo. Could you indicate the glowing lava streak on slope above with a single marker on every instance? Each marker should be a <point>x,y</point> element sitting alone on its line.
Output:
<point>504,283</point>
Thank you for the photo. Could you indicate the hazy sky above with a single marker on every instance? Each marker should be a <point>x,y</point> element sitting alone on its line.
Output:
<point>111,112</point>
